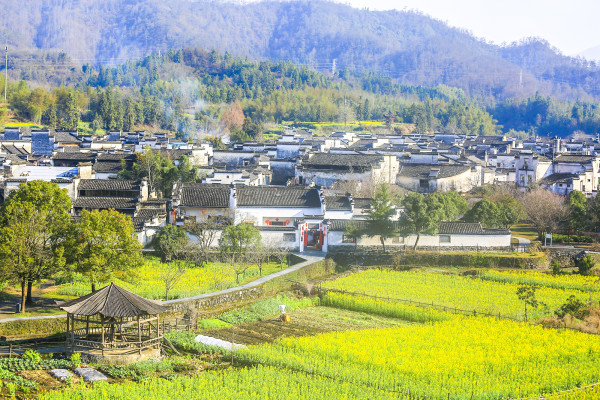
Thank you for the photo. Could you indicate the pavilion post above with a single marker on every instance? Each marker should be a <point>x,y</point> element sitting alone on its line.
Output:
<point>139,334</point>
<point>87,327</point>
<point>72,332</point>
<point>102,329</point>
<point>68,331</point>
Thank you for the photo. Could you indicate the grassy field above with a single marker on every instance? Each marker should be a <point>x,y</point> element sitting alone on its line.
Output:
<point>147,282</point>
<point>526,231</point>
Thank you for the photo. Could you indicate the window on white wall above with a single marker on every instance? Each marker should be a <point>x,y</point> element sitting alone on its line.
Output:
<point>444,238</point>
<point>289,237</point>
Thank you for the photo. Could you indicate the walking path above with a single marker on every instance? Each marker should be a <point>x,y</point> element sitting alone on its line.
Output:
<point>309,257</point>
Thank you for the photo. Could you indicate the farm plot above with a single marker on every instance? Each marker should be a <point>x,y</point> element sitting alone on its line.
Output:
<point>253,383</point>
<point>466,357</point>
<point>304,322</point>
<point>454,291</point>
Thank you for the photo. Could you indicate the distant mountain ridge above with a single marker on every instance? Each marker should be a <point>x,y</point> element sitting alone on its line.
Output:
<point>411,47</point>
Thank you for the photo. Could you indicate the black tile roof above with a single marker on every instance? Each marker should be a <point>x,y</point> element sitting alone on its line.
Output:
<point>66,138</point>
<point>468,228</point>
<point>107,166</point>
<point>424,171</point>
<point>460,228</point>
<point>105,203</point>
<point>273,196</point>
<point>347,161</point>
<point>337,203</point>
<point>205,195</point>
<point>362,203</point>
<point>574,158</point>
<point>339,225</point>
<point>558,178</point>
<point>109,184</point>
<point>116,157</point>
<point>75,156</point>
<point>145,214</point>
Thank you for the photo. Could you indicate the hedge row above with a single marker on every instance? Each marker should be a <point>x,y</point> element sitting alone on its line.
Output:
<point>471,260</point>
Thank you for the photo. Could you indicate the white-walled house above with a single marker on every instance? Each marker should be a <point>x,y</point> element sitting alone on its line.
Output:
<point>443,178</point>
<point>451,235</point>
<point>200,202</point>
<point>324,169</point>
<point>275,206</point>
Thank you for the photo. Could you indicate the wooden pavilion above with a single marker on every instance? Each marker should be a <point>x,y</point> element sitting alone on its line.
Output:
<point>113,321</point>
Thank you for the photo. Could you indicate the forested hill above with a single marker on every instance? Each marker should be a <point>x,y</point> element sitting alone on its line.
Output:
<point>410,47</point>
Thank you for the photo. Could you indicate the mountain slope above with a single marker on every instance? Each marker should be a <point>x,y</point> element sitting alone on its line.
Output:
<point>411,47</point>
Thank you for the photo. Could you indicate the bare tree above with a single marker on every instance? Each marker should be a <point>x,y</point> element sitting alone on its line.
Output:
<point>544,209</point>
<point>171,274</point>
<point>205,234</point>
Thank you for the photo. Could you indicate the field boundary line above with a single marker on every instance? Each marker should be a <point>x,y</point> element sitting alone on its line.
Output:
<point>562,393</point>
<point>440,307</point>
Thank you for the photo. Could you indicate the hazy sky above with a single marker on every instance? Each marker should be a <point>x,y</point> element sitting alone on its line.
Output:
<point>570,25</point>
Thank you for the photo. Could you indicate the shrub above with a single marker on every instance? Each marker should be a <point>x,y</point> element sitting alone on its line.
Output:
<point>585,265</point>
<point>32,355</point>
<point>573,307</point>
<point>76,360</point>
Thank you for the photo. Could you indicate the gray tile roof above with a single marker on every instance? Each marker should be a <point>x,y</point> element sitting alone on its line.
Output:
<point>424,171</point>
<point>75,156</point>
<point>460,228</point>
<point>107,166</point>
<point>558,178</point>
<point>468,228</point>
<point>109,184</point>
<point>339,225</point>
<point>337,203</point>
<point>114,302</point>
<point>205,195</point>
<point>273,196</point>
<point>105,203</point>
<point>344,161</point>
<point>573,158</point>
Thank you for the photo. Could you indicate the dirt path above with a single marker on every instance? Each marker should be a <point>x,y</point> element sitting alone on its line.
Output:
<point>41,305</point>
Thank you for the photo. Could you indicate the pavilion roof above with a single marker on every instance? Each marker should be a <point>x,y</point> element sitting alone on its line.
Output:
<point>114,302</point>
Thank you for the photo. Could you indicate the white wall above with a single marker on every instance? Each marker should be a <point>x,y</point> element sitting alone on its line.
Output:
<point>259,214</point>
<point>335,239</point>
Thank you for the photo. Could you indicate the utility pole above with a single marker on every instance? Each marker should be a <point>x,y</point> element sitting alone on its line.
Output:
<point>5,70</point>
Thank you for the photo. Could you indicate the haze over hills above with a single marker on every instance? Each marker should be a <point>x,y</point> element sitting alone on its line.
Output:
<point>410,47</point>
<point>592,53</point>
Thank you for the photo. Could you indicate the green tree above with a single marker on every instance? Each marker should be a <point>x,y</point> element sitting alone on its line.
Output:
<point>354,232</point>
<point>33,222</point>
<point>483,211</point>
<point>577,205</point>
<point>380,216</point>
<point>510,211</point>
<point>585,265</point>
<point>170,242</point>
<point>419,216</point>
<point>527,294</point>
<point>103,242</point>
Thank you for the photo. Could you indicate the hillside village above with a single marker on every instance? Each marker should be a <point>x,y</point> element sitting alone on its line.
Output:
<point>300,190</point>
